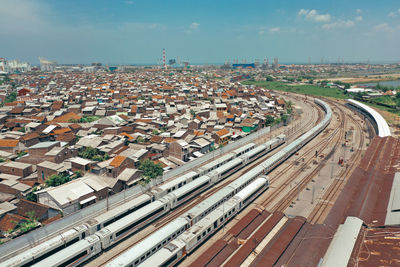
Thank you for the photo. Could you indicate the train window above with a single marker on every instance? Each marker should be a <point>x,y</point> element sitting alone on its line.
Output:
<point>173,236</point>
<point>204,233</point>
<point>148,254</point>
<point>137,262</point>
<point>209,229</point>
<point>110,238</point>
<point>221,219</point>
<point>198,238</point>
<point>142,258</point>
<point>159,246</point>
<point>169,190</point>
<point>164,242</point>
<point>169,238</point>
<point>153,250</point>
<point>91,248</point>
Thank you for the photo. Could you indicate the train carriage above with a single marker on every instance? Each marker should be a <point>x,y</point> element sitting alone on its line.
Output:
<point>47,248</point>
<point>131,223</point>
<point>115,214</point>
<point>74,255</point>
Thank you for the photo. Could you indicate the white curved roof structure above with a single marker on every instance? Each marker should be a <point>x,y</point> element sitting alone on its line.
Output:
<point>383,127</point>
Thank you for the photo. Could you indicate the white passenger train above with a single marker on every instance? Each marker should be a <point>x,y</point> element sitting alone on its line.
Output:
<point>193,237</point>
<point>134,214</point>
<point>171,195</point>
<point>130,258</point>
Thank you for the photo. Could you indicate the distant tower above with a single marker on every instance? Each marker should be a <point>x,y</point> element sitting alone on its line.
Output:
<point>164,59</point>
<point>265,61</point>
<point>276,62</point>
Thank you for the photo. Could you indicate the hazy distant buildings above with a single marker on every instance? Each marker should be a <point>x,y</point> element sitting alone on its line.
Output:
<point>14,66</point>
<point>47,65</point>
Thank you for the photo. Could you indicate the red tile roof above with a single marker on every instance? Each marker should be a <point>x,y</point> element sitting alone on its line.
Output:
<point>8,142</point>
<point>222,132</point>
<point>10,221</point>
<point>117,161</point>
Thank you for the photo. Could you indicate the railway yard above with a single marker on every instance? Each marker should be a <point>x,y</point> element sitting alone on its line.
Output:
<point>290,198</point>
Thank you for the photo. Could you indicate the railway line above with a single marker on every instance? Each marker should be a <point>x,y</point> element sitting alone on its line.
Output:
<point>184,208</point>
<point>135,255</point>
<point>292,134</point>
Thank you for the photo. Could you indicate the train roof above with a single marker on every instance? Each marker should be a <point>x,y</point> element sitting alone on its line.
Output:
<point>70,251</point>
<point>217,161</point>
<point>208,220</point>
<point>243,148</point>
<point>120,209</point>
<point>148,243</point>
<point>209,202</point>
<point>190,186</point>
<point>177,180</point>
<point>256,171</point>
<point>226,166</point>
<point>251,188</point>
<point>255,151</point>
<point>383,127</point>
<point>158,258</point>
<point>128,219</point>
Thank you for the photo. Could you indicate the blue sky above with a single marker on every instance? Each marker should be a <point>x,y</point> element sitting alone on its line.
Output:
<point>134,32</point>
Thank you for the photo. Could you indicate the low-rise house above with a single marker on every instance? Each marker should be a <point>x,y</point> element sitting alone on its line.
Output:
<point>222,136</point>
<point>118,164</point>
<point>129,177</point>
<point>10,145</point>
<point>81,164</point>
<point>59,154</point>
<point>201,145</point>
<point>68,197</point>
<point>180,150</point>
<point>46,168</point>
<point>16,168</point>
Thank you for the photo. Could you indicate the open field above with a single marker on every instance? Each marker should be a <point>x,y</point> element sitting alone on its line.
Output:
<point>369,78</point>
<point>301,89</point>
<point>391,115</point>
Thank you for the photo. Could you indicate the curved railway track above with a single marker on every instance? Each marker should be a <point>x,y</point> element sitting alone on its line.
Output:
<point>122,246</point>
<point>317,214</point>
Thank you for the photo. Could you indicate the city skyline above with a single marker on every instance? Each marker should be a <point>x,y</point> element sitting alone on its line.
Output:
<point>135,32</point>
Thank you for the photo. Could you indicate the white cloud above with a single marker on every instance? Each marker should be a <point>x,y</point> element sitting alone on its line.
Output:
<point>274,30</point>
<point>339,24</point>
<point>358,11</point>
<point>359,18</point>
<point>384,27</point>
<point>194,26</point>
<point>393,14</point>
<point>313,15</point>
<point>261,32</point>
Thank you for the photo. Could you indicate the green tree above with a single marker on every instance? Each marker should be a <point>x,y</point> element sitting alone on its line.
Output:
<point>155,132</point>
<point>88,152</point>
<point>32,196</point>
<point>57,179</point>
<point>269,79</point>
<point>140,139</point>
<point>150,169</point>
<point>284,118</point>
<point>269,120</point>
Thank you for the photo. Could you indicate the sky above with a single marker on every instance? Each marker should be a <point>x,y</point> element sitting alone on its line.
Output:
<point>136,31</point>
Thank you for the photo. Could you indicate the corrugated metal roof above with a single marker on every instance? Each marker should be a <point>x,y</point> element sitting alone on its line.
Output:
<point>383,127</point>
<point>341,247</point>
<point>393,209</point>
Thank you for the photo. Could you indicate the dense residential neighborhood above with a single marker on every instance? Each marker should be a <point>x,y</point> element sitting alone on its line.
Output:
<point>70,139</point>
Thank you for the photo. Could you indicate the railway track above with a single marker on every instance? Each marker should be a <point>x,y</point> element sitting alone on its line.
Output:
<point>179,211</point>
<point>317,214</point>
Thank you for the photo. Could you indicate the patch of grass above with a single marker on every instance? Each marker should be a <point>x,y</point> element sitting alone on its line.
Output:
<point>313,90</point>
